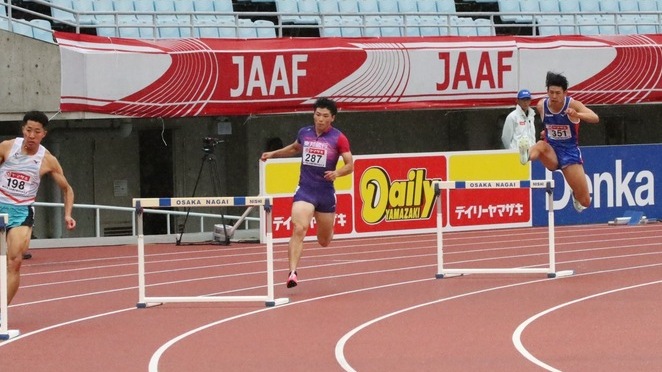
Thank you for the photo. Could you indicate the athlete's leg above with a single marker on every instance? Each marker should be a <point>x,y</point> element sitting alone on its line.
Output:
<point>302,214</point>
<point>576,177</point>
<point>325,222</point>
<point>18,241</point>
<point>545,153</point>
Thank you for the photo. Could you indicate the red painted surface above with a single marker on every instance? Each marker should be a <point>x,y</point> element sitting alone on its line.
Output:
<point>76,307</point>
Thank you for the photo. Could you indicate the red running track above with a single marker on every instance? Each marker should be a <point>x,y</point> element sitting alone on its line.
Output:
<point>363,304</point>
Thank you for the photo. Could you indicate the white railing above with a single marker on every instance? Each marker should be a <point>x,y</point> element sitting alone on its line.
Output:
<point>247,221</point>
<point>408,25</point>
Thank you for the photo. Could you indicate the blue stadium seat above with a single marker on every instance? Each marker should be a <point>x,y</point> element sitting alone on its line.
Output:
<point>246,29</point>
<point>588,25</point>
<point>307,8</point>
<point>390,26</point>
<point>86,7</point>
<point>590,6</point>
<point>330,14</point>
<point>227,29</point>
<point>484,27</point>
<point>510,10</point>
<point>168,32</point>
<point>647,26</point>
<point>569,6</point>
<point>331,26</point>
<point>205,6</point>
<point>185,18</point>
<point>225,7</point>
<point>351,26</point>
<point>606,25</point>
<point>446,6</point>
<point>264,28</point>
<point>548,25</point>
<point>528,6</point>
<point>288,10</point>
<point>104,6</point>
<point>648,6</point>
<point>4,24</point>
<point>549,6</point>
<point>369,8</point>
<point>65,15</point>
<point>609,6</point>
<point>22,27</point>
<point>409,10</point>
<point>349,11</point>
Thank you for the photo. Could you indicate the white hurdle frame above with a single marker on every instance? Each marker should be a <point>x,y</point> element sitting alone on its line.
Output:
<point>548,185</point>
<point>233,201</point>
<point>5,332</point>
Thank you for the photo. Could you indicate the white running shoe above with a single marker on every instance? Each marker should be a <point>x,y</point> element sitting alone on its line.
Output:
<point>578,207</point>
<point>523,145</point>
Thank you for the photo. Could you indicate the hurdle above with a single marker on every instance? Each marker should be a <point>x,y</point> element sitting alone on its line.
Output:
<point>5,332</point>
<point>234,201</point>
<point>547,185</point>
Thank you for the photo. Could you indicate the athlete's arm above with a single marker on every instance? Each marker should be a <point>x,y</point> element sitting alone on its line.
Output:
<point>288,151</point>
<point>53,167</point>
<point>5,147</point>
<point>577,111</point>
<point>346,169</point>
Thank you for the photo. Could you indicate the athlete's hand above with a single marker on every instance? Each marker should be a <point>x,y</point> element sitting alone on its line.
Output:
<point>70,222</point>
<point>572,114</point>
<point>266,155</point>
<point>330,175</point>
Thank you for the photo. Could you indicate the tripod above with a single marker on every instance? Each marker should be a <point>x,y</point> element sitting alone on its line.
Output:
<point>209,159</point>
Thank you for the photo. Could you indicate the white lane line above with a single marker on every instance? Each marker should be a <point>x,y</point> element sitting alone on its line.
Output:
<point>517,335</point>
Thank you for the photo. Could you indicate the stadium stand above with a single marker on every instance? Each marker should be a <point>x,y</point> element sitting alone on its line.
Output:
<point>150,19</point>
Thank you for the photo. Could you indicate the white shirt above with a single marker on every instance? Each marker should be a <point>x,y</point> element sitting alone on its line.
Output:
<point>518,124</point>
<point>19,175</point>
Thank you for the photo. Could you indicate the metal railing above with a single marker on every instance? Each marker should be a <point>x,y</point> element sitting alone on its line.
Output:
<point>247,221</point>
<point>190,24</point>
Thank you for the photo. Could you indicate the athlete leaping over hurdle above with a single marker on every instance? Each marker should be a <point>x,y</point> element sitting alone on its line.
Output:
<point>559,148</point>
<point>321,146</point>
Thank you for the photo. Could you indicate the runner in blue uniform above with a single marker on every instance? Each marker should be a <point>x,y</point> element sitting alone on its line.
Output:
<point>320,146</point>
<point>559,148</point>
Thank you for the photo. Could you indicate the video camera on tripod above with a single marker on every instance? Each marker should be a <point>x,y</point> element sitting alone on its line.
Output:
<point>209,143</point>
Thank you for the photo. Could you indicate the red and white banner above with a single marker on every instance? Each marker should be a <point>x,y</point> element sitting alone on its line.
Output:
<point>191,77</point>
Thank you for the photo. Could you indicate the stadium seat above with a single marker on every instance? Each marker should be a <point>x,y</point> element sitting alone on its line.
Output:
<point>548,25</point>
<point>390,27</point>
<point>588,25</point>
<point>329,10</point>
<point>428,14</point>
<point>609,6</point>
<point>227,29</point>
<point>369,10</point>
<point>246,29</point>
<point>590,6</point>
<point>42,30</point>
<point>646,26</point>
<point>648,6</point>
<point>628,6</point>
<point>411,28</point>
<point>264,28</point>
<point>390,11</point>
<point>3,10</point>
<point>168,32</point>
<point>225,7</point>
<point>549,6</point>
<point>351,26</point>
<point>484,27</point>
<point>205,6</point>
<point>349,10</point>
<point>185,17</point>
<point>371,27</point>
<point>288,10</point>
<point>463,26</point>
<point>607,25</point>
<point>4,24</point>
<point>510,11</point>
<point>528,6</point>
<point>84,11</point>
<point>206,31</point>
<point>446,6</point>
<point>308,11</point>
<point>104,6</point>
<point>331,26</point>
<point>569,6</point>
<point>22,27</point>
<point>409,10</point>
<point>62,11</point>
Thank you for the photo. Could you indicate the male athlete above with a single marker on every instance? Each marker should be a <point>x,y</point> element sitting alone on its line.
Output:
<point>320,146</point>
<point>23,161</point>
<point>559,148</point>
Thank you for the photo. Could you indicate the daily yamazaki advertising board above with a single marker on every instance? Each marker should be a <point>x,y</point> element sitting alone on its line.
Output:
<point>395,194</point>
<point>392,194</point>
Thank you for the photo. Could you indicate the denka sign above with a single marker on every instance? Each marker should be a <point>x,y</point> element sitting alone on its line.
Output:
<point>620,179</point>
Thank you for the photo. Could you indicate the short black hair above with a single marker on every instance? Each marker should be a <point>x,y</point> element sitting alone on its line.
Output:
<point>326,103</point>
<point>37,116</point>
<point>557,80</point>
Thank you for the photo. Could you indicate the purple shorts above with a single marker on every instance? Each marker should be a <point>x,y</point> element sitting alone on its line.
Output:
<point>323,198</point>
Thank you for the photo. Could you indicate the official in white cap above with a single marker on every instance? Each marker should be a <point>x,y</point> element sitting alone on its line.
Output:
<point>519,129</point>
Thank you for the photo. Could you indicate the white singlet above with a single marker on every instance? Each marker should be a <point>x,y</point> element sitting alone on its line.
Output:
<point>19,175</point>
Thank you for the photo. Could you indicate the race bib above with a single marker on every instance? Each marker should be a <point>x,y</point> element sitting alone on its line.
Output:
<point>16,183</point>
<point>558,132</point>
<point>314,156</point>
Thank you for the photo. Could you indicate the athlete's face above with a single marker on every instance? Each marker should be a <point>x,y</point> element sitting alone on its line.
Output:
<point>323,119</point>
<point>33,133</point>
<point>556,94</point>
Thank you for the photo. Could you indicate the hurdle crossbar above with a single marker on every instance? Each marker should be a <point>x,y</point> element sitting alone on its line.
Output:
<point>547,185</point>
<point>233,201</point>
<point>5,332</point>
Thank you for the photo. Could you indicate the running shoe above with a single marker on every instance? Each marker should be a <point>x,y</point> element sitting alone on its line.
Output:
<point>578,207</point>
<point>292,279</point>
<point>27,255</point>
<point>523,145</point>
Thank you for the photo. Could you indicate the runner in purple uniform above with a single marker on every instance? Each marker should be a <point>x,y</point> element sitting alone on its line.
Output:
<point>320,146</point>
<point>559,148</point>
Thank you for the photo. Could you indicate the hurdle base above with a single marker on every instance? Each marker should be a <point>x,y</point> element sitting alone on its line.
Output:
<point>144,305</point>
<point>277,301</point>
<point>560,274</point>
<point>11,333</point>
